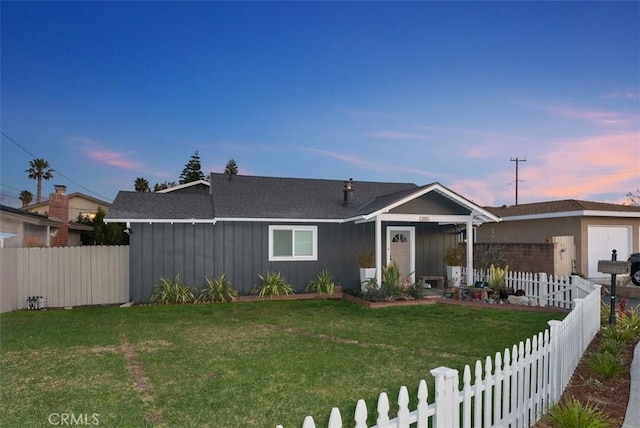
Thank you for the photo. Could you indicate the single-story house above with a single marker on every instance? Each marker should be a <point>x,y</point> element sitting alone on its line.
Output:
<point>245,226</point>
<point>583,232</point>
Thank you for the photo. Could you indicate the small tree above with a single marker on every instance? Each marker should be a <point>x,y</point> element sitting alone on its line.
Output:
<point>231,169</point>
<point>39,170</point>
<point>103,233</point>
<point>634,198</point>
<point>141,185</point>
<point>26,197</point>
<point>192,170</point>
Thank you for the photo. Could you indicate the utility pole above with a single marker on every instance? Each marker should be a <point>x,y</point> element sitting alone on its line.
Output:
<point>517,161</point>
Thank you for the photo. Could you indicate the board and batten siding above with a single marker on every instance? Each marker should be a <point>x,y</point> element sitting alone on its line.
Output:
<point>239,250</point>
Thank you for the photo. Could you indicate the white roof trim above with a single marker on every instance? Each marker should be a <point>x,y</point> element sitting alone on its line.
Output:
<point>182,186</point>
<point>578,213</point>
<point>476,211</point>
<point>160,220</point>
<point>283,220</point>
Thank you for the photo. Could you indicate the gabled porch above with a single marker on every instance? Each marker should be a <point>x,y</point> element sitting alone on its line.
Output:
<point>400,222</point>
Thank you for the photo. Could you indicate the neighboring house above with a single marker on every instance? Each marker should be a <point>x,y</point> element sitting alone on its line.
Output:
<point>583,232</point>
<point>19,228</point>
<point>79,205</point>
<point>245,226</point>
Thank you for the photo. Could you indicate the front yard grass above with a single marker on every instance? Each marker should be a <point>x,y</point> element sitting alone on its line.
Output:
<point>233,365</point>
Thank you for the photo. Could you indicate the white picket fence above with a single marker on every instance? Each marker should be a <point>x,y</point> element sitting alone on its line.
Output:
<point>547,290</point>
<point>65,276</point>
<point>513,389</point>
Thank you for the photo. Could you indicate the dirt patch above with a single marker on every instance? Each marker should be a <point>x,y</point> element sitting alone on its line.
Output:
<point>141,383</point>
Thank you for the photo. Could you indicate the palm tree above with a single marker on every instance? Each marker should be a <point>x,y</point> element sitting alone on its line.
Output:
<point>39,170</point>
<point>141,185</point>
<point>26,197</point>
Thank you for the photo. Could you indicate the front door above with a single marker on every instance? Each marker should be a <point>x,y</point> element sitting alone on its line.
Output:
<point>401,249</point>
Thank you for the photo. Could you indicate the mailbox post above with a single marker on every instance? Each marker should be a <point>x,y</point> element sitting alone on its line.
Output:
<point>613,267</point>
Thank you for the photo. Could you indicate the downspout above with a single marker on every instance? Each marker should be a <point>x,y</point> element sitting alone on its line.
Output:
<point>470,252</point>
<point>378,251</point>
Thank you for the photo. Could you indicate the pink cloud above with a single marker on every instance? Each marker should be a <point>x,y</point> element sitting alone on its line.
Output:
<point>579,168</point>
<point>93,150</point>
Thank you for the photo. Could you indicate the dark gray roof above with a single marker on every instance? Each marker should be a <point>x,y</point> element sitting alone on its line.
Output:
<point>166,206</point>
<point>270,197</point>
<point>259,197</point>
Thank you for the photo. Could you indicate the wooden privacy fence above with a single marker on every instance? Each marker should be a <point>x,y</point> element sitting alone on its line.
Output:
<point>65,276</point>
<point>513,389</point>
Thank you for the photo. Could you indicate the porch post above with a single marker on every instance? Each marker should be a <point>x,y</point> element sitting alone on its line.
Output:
<point>469,252</point>
<point>378,251</point>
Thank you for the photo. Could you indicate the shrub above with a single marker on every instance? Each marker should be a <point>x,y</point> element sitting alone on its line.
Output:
<point>218,290</point>
<point>272,285</point>
<point>628,319</point>
<point>172,291</point>
<point>605,364</point>
<point>611,345</point>
<point>391,278</point>
<point>574,414</point>
<point>322,284</point>
<point>618,333</point>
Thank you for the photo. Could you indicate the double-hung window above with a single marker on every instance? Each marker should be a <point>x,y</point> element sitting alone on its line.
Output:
<point>293,243</point>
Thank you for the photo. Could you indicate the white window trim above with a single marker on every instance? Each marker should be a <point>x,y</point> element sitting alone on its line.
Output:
<point>294,228</point>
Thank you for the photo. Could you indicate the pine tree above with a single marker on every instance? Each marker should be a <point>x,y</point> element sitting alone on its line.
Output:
<point>192,170</point>
<point>231,169</point>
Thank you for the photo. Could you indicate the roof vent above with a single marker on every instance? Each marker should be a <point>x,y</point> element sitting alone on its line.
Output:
<point>347,192</point>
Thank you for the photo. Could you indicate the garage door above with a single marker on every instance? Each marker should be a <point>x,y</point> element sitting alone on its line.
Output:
<point>602,240</point>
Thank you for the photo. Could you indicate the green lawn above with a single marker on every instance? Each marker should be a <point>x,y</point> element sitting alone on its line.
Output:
<point>238,364</point>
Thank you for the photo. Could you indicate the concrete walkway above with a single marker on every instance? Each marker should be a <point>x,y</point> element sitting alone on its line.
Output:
<point>632,417</point>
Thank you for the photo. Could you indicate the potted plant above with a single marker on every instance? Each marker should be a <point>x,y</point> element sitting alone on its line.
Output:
<point>454,259</point>
<point>367,263</point>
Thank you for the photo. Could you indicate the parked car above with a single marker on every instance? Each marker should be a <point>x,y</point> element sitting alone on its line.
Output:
<point>634,273</point>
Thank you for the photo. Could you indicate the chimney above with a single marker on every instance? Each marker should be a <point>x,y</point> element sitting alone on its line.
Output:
<point>59,210</point>
<point>348,192</point>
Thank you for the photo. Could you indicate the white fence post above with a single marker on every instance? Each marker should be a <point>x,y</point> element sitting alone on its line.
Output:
<point>543,289</point>
<point>554,362</point>
<point>447,398</point>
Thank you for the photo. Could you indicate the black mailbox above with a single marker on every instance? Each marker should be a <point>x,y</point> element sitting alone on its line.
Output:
<point>613,267</point>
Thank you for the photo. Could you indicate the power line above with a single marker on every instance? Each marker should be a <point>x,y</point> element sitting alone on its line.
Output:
<point>57,171</point>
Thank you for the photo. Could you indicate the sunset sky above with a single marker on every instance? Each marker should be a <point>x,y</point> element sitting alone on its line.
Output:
<point>386,91</point>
